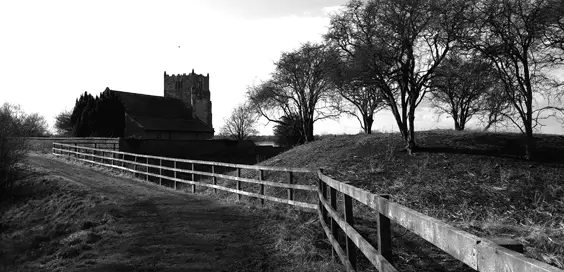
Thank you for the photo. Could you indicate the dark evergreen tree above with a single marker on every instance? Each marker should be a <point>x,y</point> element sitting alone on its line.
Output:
<point>98,116</point>
<point>289,131</point>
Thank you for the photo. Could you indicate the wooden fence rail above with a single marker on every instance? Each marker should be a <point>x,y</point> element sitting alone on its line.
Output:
<point>140,164</point>
<point>478,253</point>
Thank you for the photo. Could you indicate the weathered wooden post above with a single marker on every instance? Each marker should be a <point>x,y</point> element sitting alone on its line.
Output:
<point>214,179</point>
<point>193,176</point>
<point>147,169</point>
<point>160,171</point>
<point>290,190</point>
<point>94,151</point>
<point>261,190</point>
<point>350,246</point>
<point>384,229</point>
<point>174,175</point>
<point>238,183</point>
<point>324,193</point>
<point>135,167</point>
<point>75,150</point>
<point>334,226</point>
<point>319,186</point>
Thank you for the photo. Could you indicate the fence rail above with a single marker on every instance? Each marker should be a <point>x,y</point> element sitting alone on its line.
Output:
<point>478,253</point>
<point>142,166</point>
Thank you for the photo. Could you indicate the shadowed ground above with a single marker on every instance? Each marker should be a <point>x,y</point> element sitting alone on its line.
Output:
<point>158,229</point>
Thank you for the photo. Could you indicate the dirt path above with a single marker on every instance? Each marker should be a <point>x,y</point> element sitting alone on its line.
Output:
<point>165,230</point>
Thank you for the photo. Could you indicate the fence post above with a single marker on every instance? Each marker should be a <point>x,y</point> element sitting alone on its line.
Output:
<point>384,230</point>
<point>261,191</point>
<point>290,190</point>
<point>239,183</point>
<point>94,151</point>
<point>147,172</point>
<point>214,179</point>
<point>319,186</point>
<point>324,193</point>
<point>160,172</point>
<point>135,167</point>
<point>193,176</point>
<point>75,150</point>
<point>175,175</point>
<point>348,212</point>
<point>334,226</point>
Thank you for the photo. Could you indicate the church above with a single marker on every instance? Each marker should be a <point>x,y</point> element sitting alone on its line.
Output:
<point>183,113</point>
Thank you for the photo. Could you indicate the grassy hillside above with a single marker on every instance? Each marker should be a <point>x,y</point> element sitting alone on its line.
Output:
<point>473,180</point>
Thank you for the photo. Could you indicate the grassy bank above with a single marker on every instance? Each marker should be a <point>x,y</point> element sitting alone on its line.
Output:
<point>48,222</point>
<point>475,181</point>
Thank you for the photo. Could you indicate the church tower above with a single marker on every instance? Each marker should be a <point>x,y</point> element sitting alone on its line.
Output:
<point>194,90</point>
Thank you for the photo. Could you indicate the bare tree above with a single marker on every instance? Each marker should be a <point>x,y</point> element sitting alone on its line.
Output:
<point>13,144</point>
<point>514,35</point>
<point>466,86</point>
<point>300,86</point>
<point>496,107</point>
<point>241,124</point>
<point>362,99</point>
<point>402,42</point>
<point>63,124</point>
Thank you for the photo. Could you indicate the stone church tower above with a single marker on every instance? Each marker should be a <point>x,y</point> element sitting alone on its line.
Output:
<point>194,90</point>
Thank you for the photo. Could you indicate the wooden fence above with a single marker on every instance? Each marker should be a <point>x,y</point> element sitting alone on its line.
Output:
<point>478,253</point>
<point>141,164</point>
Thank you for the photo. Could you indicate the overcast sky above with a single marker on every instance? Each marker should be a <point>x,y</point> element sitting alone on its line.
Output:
<point>52,51</point>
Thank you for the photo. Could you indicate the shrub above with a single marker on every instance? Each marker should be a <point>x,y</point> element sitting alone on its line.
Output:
<point>15,125</point>
<point>289,131</point>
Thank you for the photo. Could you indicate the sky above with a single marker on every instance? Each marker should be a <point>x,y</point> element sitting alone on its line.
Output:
<point>52,51</point>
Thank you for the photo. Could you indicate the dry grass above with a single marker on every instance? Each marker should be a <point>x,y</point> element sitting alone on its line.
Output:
<point>475,181</point>
<point>48,222</point>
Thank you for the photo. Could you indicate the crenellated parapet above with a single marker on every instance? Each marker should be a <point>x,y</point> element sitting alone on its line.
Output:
<point>193,90</point>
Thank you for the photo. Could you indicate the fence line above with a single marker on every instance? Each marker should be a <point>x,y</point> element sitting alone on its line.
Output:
<point>479,253</point>
<point>82,153</point>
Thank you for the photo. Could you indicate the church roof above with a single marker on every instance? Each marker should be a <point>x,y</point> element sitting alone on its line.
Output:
<point>160,113</point>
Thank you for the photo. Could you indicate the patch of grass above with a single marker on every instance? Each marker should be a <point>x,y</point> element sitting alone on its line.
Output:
<point>47,222</point>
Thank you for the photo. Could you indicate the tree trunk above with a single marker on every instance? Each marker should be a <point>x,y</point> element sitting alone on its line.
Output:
<point>368,121</point>
<point>309,131</point>
<point>530,145</point>
<point>457,125</point>
<point>411,132</point>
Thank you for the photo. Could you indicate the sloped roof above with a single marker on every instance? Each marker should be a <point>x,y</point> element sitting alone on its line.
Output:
<point>160,113</point>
